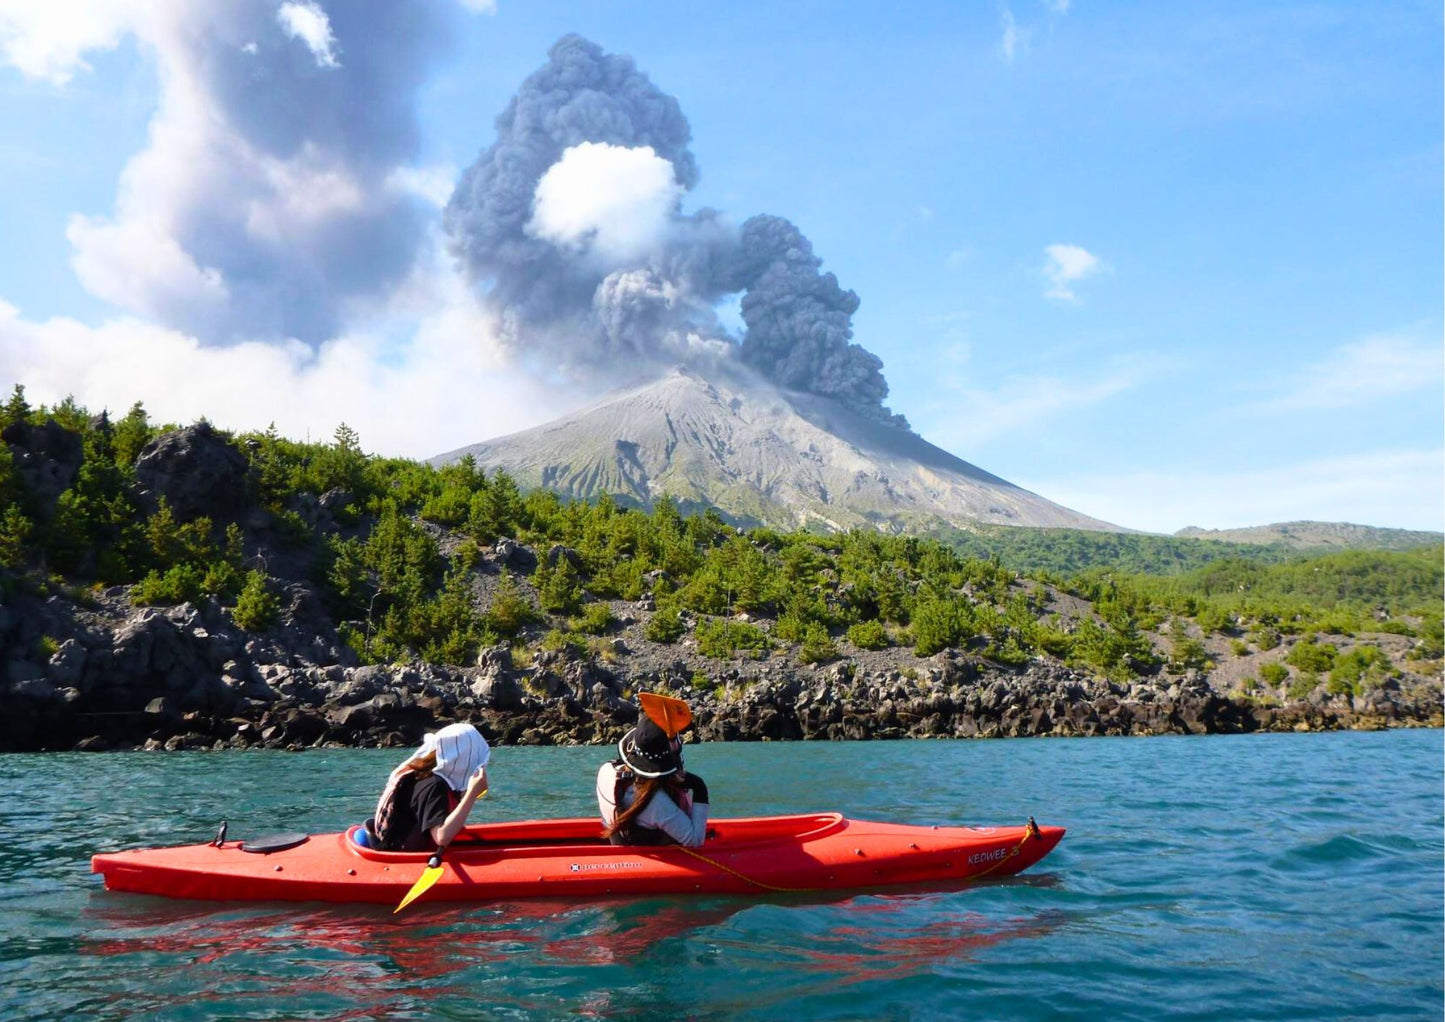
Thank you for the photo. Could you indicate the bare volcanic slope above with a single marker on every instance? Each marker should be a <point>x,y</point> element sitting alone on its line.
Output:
<point>760,455</point>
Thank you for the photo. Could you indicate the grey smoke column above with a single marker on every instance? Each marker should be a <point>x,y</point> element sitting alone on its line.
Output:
<point>800,322</point>
<point>560,303</point>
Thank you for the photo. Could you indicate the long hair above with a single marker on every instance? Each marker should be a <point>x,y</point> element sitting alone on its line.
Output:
<point>382,820</point>
<point>644,788</point>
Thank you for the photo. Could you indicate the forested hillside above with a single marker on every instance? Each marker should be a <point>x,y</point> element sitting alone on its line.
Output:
<point>398,564</point>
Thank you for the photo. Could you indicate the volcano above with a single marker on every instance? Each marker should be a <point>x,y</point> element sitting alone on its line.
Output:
<point>761,455</point>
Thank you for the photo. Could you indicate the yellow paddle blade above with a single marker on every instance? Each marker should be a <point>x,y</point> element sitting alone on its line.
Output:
<point>429,876</point>
<point>672,715</point>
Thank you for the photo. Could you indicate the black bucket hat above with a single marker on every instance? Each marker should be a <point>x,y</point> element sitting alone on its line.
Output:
<point>648,752</point>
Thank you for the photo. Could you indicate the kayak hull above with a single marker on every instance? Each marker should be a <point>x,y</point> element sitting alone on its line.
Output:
<point>567,858</point>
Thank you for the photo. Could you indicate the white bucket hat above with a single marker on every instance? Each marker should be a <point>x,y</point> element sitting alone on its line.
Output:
<point>461,751</point>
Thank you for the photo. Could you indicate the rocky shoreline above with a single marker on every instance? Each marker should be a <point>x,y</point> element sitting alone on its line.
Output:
<point>186,677</point>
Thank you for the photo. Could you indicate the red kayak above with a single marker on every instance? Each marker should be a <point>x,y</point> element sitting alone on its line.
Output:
<point>568,859</point>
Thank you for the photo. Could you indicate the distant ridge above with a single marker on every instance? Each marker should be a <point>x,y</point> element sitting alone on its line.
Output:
<point>761,456</point>
<point>1320,535</point>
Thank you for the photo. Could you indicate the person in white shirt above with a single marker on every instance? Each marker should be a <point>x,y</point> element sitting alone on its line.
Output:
<point>646,797</point>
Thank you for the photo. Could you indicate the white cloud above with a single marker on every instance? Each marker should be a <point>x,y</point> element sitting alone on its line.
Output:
<point>613,199</point>
<point>974,415</point>
<point>47,39</point>
<point>1014,38</point>
<point>1066,265</point>
<point>958,257</point>
<point>1396,488</point>
<point>432,184</point>
<point>481,6</point>
<point>1380,366</point>
<point>136,263</point>
<point>1058,6</point>
<point>446,385</point>
<point>307,22</point>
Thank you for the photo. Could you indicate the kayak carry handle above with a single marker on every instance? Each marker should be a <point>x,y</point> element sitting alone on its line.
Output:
<point>220,835</point>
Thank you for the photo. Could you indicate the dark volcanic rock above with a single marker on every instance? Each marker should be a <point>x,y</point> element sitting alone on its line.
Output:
<point>46,457</point>
<point>197,471</point>
<point>514,556</point>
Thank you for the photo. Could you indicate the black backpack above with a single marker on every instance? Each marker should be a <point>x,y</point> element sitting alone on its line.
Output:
<point>385,828</point>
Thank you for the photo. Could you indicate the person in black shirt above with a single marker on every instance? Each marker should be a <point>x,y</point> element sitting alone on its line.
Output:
<point>428,797</point>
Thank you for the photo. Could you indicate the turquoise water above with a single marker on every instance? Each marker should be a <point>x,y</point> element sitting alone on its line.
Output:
<point>1247,877</point>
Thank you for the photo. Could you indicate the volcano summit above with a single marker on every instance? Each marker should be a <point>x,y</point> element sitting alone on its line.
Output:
<point>760,454</point>
<point>572,224</point>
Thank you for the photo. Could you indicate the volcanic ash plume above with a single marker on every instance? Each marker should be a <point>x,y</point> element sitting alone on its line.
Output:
<point>572,221</point>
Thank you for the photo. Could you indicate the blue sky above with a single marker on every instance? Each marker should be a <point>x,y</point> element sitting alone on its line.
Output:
<point>1168,264</point>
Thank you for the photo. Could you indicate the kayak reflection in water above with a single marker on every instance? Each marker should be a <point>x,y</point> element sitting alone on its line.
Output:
<point>427,798</point>
<point>646,797</point>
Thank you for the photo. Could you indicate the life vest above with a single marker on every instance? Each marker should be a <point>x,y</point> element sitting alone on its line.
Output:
<point>631,833</point>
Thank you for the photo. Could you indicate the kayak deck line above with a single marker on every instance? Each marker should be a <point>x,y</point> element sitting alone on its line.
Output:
<point>569,858</point>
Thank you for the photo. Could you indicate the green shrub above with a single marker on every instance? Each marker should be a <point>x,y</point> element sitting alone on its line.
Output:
<point>257,607</point>
<point>1116,650</point>
<point>723,638</point>
<point>790,628</point>
<point>1393,627</point>
<point>939,624</point>
<point>1338,622</point>
<point>182,583</point>
<point>596,619</point>
<point>1273,673</point>
<point>1264,636</point>
<point>1009,652</point>
<point>450,507</point>
<point>557,640</point>
<point>1053,640</point>
<point>1358,669</point>
<point>15,530</point>
<point>1212,618</point>
<point>665,626</point>
<point>868,635</point>
<point>1431,643</point>
<point>1309,655</point>
<point>817,645</point>
<point>510,611</point>
<point>1304,683</point>
<point>559,588</point>
<point>1185,651</point>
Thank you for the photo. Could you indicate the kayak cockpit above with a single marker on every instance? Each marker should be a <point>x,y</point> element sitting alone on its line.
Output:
<point>586,832</point>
